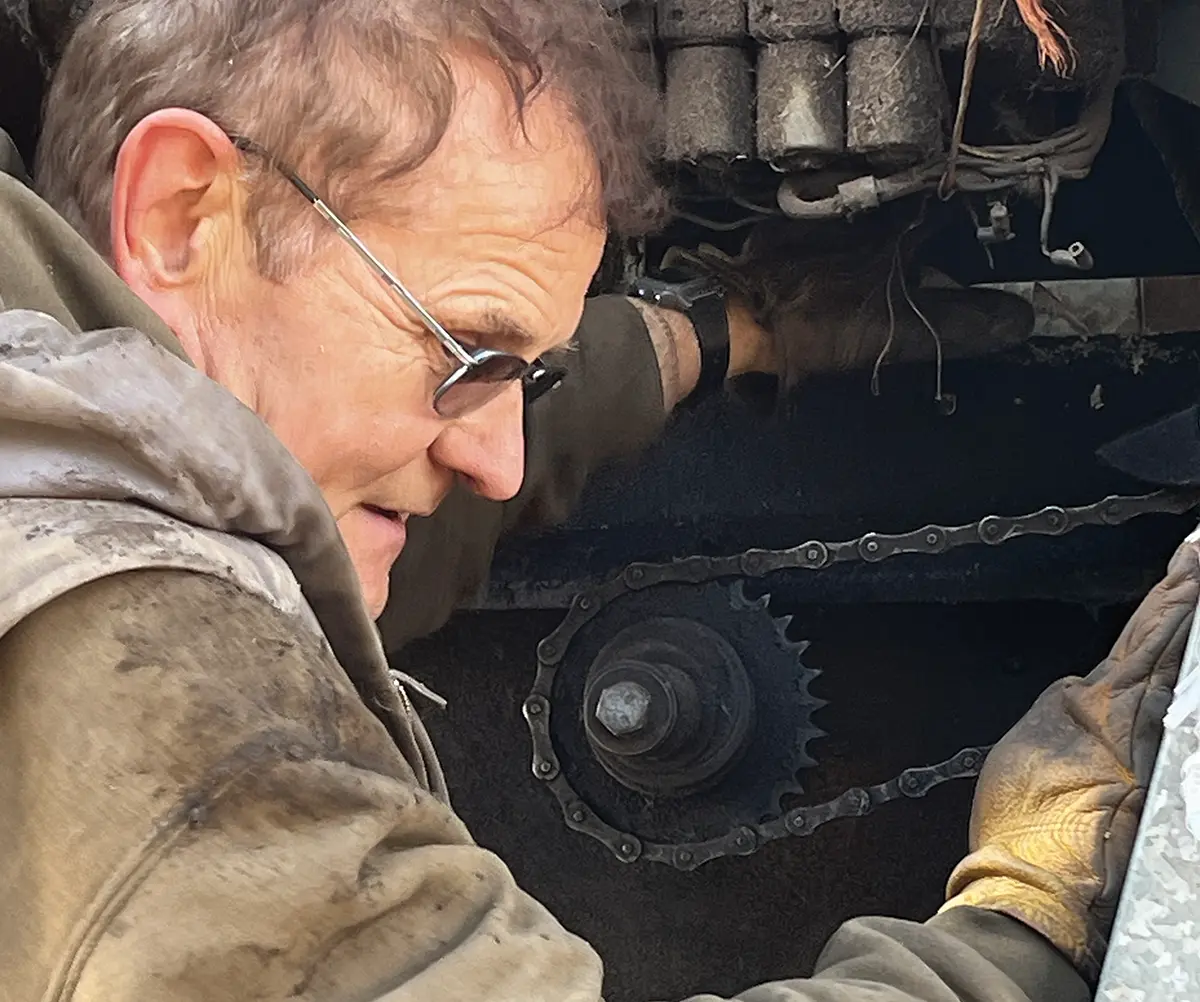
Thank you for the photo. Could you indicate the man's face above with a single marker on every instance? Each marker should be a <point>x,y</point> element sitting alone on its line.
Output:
<point>497,245</point>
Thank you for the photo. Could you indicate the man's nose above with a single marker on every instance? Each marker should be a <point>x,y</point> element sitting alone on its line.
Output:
<point>486,448</point>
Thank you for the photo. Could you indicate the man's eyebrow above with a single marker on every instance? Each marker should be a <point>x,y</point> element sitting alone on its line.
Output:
<point>503,332</point>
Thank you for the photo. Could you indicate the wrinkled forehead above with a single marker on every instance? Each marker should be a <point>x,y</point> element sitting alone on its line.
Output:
<point>537,170</point>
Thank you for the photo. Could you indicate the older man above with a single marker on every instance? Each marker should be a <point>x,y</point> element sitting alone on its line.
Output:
<point>327,244</point>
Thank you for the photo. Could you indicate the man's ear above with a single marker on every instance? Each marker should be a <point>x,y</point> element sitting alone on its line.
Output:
<point>174,196</point>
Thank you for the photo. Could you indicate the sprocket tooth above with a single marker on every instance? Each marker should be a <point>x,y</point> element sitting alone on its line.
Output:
<point>807,675</point>
<point>805,761</point>
<point>781,628</point>
<point>739,601</point>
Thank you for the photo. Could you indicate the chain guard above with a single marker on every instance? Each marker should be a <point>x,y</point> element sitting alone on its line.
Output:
<point>814,555</point>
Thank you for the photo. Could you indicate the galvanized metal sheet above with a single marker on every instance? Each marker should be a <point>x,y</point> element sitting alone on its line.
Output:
<point>1154,953</point>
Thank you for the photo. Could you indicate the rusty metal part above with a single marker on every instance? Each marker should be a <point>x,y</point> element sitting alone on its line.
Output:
<point>710,104</point>
<point>894,100</point>
<point>1129,307</point>
<point>814,555</point>
<point>801,103</point>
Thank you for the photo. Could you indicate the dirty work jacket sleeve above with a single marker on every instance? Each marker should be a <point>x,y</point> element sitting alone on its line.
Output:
<point>610,405</point>
<point>198,806</point>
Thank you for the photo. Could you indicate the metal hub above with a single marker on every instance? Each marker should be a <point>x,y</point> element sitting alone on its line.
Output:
<point>680,715</point>
<point>667,707</point>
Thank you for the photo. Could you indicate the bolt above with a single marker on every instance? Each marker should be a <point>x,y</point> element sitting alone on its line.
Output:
<point>577,816</point>
<point>585,604</point>
<point>798,822</point>
<point>931,538</point>
<point>623,708</point>
<point>872,546</point>
<point>545,768</point>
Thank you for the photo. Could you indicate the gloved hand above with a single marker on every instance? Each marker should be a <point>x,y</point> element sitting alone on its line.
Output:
<point>1059,799</point>
<point>821,293</point>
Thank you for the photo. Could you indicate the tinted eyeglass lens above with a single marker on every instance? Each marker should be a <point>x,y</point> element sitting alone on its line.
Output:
<point>479,384</point>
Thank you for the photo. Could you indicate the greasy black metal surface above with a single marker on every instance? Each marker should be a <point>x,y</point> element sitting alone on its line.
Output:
<point>21,80</point>
<point>840,462</point>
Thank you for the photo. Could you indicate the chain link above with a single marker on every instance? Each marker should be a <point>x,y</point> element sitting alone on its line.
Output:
<point>814,555</point>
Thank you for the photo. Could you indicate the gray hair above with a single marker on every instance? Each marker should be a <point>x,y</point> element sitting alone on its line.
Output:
<point>352,93</point>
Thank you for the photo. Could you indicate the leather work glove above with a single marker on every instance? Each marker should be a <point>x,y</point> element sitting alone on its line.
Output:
<point>1059,799</point>
<point>821,291</point>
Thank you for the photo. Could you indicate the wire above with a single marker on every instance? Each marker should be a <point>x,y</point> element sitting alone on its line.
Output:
<point>946,184</point>
<point>719,227</point>
<point>745,203</point>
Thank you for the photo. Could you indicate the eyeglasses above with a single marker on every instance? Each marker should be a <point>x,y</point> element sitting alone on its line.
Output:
<point>480,374</point>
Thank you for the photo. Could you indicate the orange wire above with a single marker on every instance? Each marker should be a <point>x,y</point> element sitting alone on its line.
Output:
<point>1054,45</point>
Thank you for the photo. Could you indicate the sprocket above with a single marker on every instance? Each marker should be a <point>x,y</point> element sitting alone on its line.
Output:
<point>708,710</point>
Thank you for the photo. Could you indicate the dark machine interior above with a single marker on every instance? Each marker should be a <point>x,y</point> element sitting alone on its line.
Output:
<point>918,656</point>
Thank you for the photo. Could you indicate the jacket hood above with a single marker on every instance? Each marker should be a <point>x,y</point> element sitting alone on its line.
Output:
<point>113,415</point>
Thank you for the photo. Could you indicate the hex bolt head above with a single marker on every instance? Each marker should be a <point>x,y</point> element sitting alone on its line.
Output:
<point>623,708</point>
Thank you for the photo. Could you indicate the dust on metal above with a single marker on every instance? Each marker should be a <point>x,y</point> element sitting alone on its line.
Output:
<point>623,708</point>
